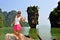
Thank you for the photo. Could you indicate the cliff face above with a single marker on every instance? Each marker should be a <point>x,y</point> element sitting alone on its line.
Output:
<point>32,16</point>
<point>54,16</point>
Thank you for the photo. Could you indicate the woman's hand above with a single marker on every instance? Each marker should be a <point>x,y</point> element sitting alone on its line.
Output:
<point>23,19</point>
<point>11,24</point>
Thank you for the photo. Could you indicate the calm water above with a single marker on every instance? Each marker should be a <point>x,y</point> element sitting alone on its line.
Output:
<point>43,31</point>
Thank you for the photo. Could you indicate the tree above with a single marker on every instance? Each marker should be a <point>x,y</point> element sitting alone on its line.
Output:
<point>5,14</point>
<point>32,16</point>
<point>54,16</point>
<point>24,24</point>
<point>1,19</point>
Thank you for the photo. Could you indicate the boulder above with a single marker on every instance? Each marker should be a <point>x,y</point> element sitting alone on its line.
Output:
<point>9,36</point>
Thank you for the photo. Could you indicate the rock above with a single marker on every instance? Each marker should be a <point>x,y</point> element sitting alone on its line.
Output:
<point>54,38</point>
<point>9,36</point>
<point>54,17</point>
<point>33,15</point>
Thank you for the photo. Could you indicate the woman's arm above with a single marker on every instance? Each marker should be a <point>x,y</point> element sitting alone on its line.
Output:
<point>13,21</point>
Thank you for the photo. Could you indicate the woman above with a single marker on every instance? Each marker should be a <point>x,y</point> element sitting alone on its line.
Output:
<point>17,26</point>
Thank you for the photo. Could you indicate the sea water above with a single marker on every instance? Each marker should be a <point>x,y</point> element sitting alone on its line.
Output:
<point>44,31</point>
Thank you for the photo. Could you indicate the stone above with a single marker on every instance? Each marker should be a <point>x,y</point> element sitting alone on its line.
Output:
<point>54,17</point>
<point>9,36</point>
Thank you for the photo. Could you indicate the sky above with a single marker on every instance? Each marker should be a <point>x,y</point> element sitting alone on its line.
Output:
<point>45,7</point>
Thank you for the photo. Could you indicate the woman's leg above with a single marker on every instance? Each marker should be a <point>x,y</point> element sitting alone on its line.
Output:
<point>18,34</point>
<point>15,34</point>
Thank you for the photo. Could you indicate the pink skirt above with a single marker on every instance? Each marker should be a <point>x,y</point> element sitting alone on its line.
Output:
<point>17,27</point>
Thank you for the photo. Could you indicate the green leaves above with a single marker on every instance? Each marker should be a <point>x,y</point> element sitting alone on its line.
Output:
<point>1,20</point>
<point>24,24</point>
<point>32,9</point>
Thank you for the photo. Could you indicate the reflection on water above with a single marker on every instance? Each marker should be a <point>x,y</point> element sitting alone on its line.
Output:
<point>43,31</point>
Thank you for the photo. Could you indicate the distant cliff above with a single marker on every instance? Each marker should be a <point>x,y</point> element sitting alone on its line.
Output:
<point>7,17</point>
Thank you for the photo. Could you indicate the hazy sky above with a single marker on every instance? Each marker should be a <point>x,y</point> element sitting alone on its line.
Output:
<point>45,7</point>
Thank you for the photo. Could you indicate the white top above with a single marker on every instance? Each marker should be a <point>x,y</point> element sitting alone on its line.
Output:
<point>17,20</point>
